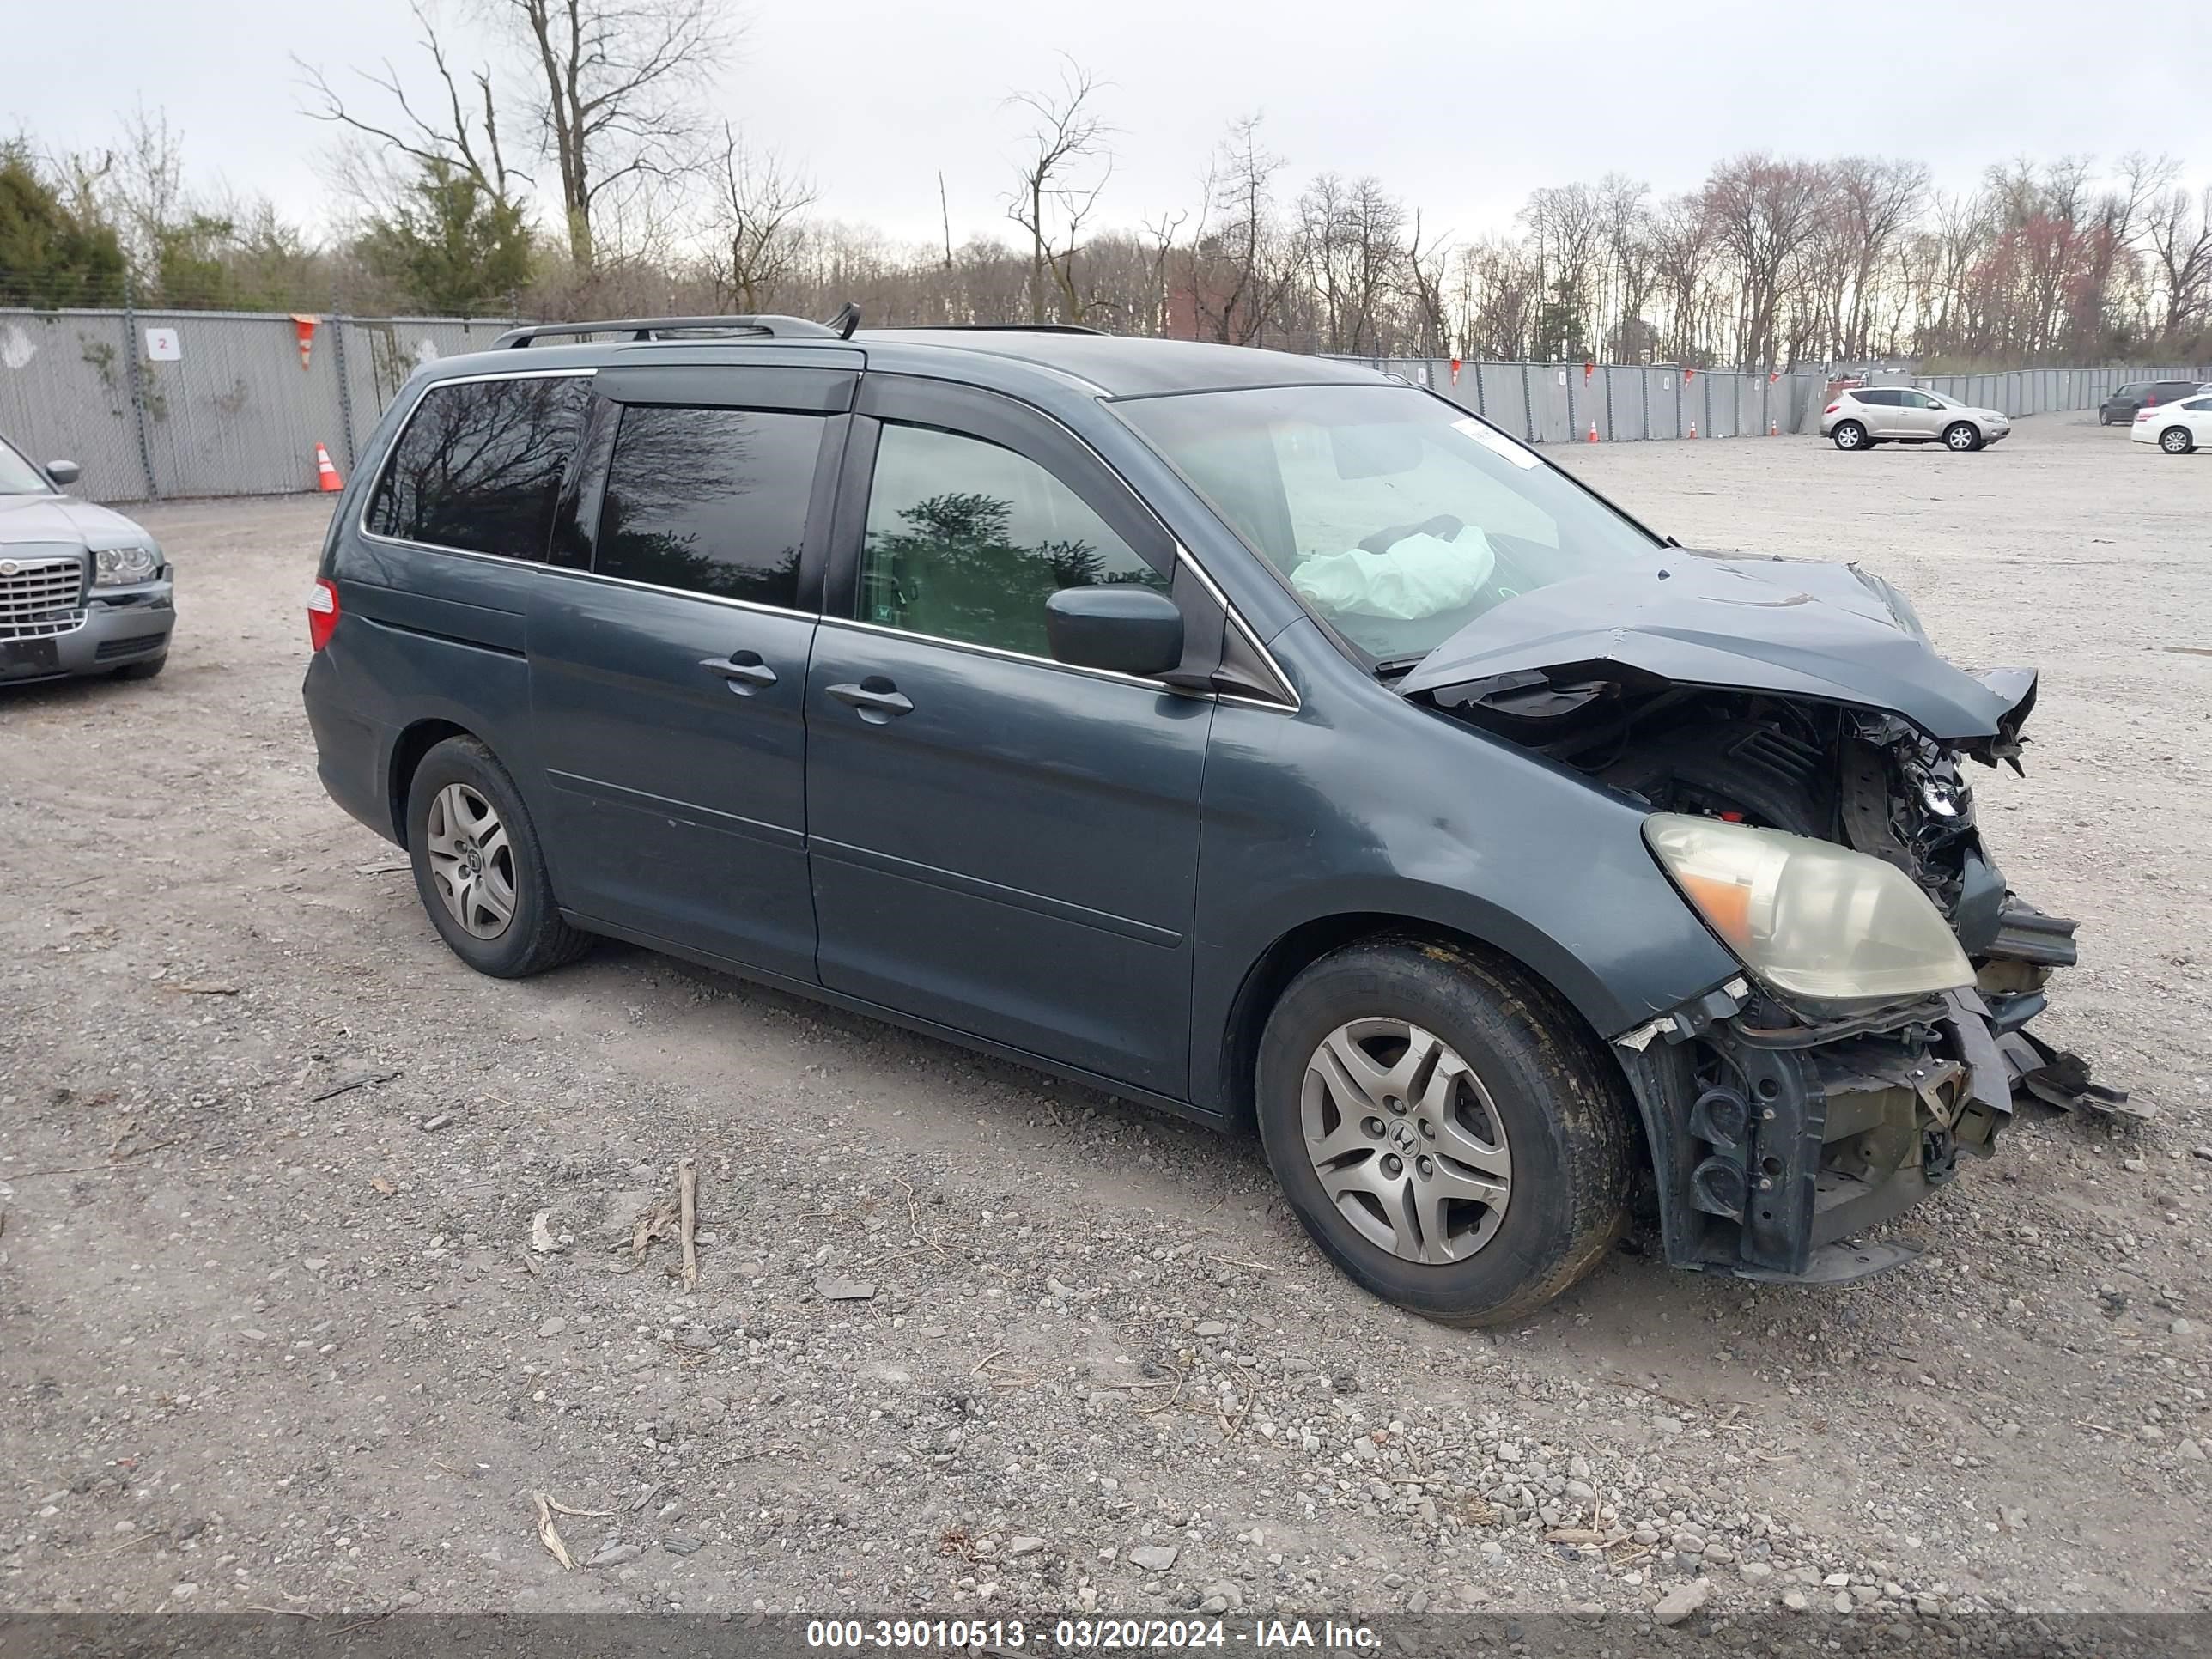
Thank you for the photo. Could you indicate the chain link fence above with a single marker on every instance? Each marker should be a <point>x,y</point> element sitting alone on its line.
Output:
<point>156,403</point>
<point>1566,403</point>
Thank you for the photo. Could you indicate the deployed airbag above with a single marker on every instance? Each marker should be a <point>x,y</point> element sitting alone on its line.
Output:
<point>1421,576</point>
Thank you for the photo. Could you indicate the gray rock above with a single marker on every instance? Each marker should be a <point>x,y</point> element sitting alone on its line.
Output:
<point>1152,1558</point>
<point>1209,1328</point>
<point>1794,1600</point>
<point>553,1326</point>
<point>831,1288</point>
<point>1679,1602</point>
<point>1024,1545</point>
<point>680,1543</point>
<point>2190,1452</point>
<point>1667,1424</point>
<point>612,1555</point>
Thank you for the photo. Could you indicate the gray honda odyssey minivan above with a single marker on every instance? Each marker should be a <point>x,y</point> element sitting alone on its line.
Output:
<point>1255,736</point>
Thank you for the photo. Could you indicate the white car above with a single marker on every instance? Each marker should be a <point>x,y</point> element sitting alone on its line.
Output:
<point>2177,428</point>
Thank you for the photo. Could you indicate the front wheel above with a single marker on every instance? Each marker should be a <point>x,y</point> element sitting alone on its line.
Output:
<point>1849,434</point>
<point>2176,440</point>
<point>1445,1130</point>
<point>477,866</point>
<point>1960,437</point>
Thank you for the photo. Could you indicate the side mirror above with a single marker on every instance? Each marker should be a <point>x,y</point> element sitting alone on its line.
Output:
<point>63,473</point>
<point>1124,628</point>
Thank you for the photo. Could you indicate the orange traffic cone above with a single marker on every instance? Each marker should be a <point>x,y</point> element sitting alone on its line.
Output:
<point>326,476</point>
<point>1773,430</point>
<point>1693,428</point>
<point>1593,433</point>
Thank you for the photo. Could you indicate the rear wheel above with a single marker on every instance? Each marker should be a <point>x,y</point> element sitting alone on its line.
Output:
<point>1849,435</point>
<point>477,866</point>
<point>1445,1129</point>
<point>1960,436</point>
<point>2176,440</point>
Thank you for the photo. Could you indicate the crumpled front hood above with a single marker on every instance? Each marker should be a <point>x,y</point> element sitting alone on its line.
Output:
<point>1794,628</point>
<point>65,518</point>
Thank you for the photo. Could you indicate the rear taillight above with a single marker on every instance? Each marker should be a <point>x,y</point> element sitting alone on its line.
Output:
<point>322,614</point>
<point>1831,409</point>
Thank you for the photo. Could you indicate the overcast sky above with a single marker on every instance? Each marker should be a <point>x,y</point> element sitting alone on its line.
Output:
<point>1461,106</point>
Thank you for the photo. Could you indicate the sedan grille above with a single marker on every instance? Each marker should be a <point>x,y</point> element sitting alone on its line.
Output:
<point>40,597</point>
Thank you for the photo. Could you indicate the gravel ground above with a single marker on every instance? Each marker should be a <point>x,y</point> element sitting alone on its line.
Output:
<point>262,1349</point>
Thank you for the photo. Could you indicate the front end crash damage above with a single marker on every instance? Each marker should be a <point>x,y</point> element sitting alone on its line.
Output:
<point>1805,698</point>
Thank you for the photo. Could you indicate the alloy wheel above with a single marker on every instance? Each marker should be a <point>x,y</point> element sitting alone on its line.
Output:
<point>472,861</point>
<point>2174,441</point>
<point>1406,1139</point>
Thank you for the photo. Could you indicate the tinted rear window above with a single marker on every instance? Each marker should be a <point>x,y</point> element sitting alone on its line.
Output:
<point>479,466</point>
<point>709,500</point>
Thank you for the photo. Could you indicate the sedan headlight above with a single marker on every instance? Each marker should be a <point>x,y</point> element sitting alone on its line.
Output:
<point>118,567</point>
<point>1811,921</point>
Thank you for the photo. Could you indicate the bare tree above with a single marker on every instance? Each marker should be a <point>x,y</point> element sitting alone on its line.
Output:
<point>1683,246</point>
<point>2180,231</point>
<point>1425,269</point>
<point>460,133</point>
<point>1234,277</point>
<point>1067,165</point>
<point>614,88</point>
<point>1763,211</point>
<point>758,204</point>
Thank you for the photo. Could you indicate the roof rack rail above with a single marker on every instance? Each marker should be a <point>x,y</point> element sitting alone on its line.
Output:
<point>655,328</point>
<point>1008,328</point>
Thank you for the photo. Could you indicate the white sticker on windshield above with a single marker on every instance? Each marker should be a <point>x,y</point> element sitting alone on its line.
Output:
<point>1496,442</point>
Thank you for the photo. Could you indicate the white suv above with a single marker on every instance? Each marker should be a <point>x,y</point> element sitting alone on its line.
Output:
<point>1869,415</point>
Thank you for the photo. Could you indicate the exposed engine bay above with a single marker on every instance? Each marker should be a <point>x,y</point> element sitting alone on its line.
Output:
<point>1778,1133</point>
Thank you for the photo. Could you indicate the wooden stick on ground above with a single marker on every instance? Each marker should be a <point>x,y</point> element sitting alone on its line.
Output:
<point>687,1198</point>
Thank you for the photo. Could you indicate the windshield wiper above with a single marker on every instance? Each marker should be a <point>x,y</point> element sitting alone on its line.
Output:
<point>1392,667</point>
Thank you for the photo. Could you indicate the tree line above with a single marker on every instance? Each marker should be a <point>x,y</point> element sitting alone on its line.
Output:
<point>578,170</point>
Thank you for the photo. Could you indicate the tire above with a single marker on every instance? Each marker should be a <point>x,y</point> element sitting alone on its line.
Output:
<point>475,854</point>
<point>1961,438</point>
<point>2177,440</point>
<point>1504,1056</point>
<point>1849,435</point>
<point>142,670</point>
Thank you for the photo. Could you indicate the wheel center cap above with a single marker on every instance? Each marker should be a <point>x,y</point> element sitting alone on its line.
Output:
<point>1401,1136</point>
<point>473,857</point>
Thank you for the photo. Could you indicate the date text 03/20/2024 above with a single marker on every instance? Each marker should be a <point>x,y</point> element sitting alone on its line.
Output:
<point>1088,1635</point>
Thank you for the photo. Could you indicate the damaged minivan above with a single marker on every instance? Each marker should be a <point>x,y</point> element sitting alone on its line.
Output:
<point>1250,735</point>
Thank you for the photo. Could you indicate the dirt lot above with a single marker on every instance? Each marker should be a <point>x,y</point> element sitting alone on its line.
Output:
<point>260,1349</point>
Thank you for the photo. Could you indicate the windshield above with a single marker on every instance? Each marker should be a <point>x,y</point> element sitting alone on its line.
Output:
<point>1396,517</point>
<point>18,477</point>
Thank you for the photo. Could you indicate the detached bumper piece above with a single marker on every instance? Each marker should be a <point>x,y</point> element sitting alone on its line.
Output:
<point>1776,1143</point>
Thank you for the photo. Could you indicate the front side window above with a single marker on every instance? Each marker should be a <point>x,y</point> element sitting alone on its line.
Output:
<point>709,500</point>
<point>1879,400</point>
<point>18,477</point>
<point>1396,518</point>
<point>480,465</point>
<point>966,540</point>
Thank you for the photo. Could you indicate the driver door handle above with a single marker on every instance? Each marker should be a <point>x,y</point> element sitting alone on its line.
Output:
<point>876,698</point>
<point>744,671</point>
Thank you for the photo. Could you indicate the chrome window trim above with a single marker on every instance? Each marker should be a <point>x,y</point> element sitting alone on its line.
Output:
<point>361,519</point>
<point>1005,655</point>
